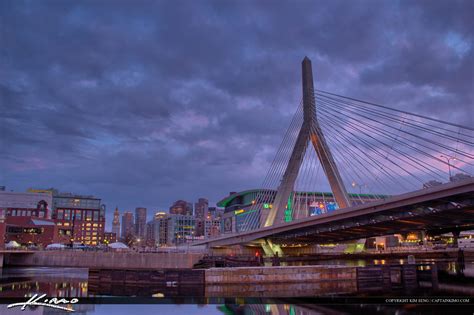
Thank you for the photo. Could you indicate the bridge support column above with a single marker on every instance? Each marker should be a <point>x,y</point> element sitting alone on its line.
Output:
<point>271,249</point>
<point>423,237</point>
<point>455,238</point>
<point>310,131</point>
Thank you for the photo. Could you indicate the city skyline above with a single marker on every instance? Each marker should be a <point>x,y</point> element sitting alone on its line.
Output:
<point>97,117</point>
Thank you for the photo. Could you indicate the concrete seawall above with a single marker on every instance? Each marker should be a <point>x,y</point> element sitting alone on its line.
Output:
<point>107,260</point>
<point>280,281</point>
<point>228,282</point>
<point>287,281</point>
<point>287,274</point>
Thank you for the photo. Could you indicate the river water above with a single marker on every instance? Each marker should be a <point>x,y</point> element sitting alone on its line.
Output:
<point>73,282</point>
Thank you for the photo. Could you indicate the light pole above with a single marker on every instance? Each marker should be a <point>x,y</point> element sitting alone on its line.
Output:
<point>448,159</point>
<point>354,184</point>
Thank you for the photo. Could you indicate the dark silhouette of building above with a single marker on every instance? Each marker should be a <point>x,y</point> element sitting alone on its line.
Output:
<point>116,223</point>
<point>201,208</point>
<point>127,224</point>
<point>140,222</point>
<point>182,207</point>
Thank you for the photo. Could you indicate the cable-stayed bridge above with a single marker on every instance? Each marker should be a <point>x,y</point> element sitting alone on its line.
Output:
<point>415,171</point>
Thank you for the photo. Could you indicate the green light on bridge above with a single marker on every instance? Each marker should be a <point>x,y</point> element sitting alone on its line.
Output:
<point>289,210</point>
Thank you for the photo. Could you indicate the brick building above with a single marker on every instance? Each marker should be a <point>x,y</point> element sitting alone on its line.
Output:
<point>82,216</point>
<point>25,217</point>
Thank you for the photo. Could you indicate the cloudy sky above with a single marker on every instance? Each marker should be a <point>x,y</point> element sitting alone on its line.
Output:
<point>145,102</point>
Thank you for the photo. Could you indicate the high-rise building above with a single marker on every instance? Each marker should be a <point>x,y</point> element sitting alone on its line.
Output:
<point>140,222</point>
<point>161,229</point>
<point>157,230</point>
<point>212,227</point>
<point>180,228</point>
<point>127,224</point>
<point>116,223</point>
<point>212,211</point>
<point>170,230</point>
<point>181,207</point>
<point>200,226</point>
<point>201,208</point>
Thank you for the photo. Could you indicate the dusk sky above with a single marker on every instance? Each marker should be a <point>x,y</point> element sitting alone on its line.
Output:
<point>142,103</point>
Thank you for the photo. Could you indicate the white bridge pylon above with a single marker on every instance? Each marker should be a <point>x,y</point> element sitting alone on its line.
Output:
<point>309,132</point>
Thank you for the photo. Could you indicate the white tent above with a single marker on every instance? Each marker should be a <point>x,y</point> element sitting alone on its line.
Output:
<point>12,244</point>
<point>118,245</point>
<point>55,246</point>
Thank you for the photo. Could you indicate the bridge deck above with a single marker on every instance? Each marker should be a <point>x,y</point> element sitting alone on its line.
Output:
<point>437,209</point>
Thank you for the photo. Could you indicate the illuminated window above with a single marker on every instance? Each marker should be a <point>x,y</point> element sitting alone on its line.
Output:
<point>78,214</point>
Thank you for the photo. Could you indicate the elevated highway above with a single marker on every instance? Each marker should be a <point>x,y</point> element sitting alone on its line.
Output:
<point>436,210</point>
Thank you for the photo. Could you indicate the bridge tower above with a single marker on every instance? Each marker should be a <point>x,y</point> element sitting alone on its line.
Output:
<point>310,132</point>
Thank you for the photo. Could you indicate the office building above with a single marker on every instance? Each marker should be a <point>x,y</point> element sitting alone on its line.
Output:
<point>201,208</point>
<point>25,217</point>
<point>182,207</point>
<point>116,223</point>
<point>127,225</point>
<point>110,237</point>
<point>83,217</point>
<point>140,222</point>
<point>180,228</point>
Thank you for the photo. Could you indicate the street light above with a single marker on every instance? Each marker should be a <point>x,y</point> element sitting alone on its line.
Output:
<point>448,159</point>
<point>354,184</point>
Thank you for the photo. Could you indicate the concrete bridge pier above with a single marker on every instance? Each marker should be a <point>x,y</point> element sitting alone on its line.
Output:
<point>456,237</point>
<point>271,249</point>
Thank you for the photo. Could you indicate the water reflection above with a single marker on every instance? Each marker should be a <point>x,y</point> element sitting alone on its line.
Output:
<point>449,265</point>
<point>74,282</point>
<point>56,282</point>
<point>238,309</point>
